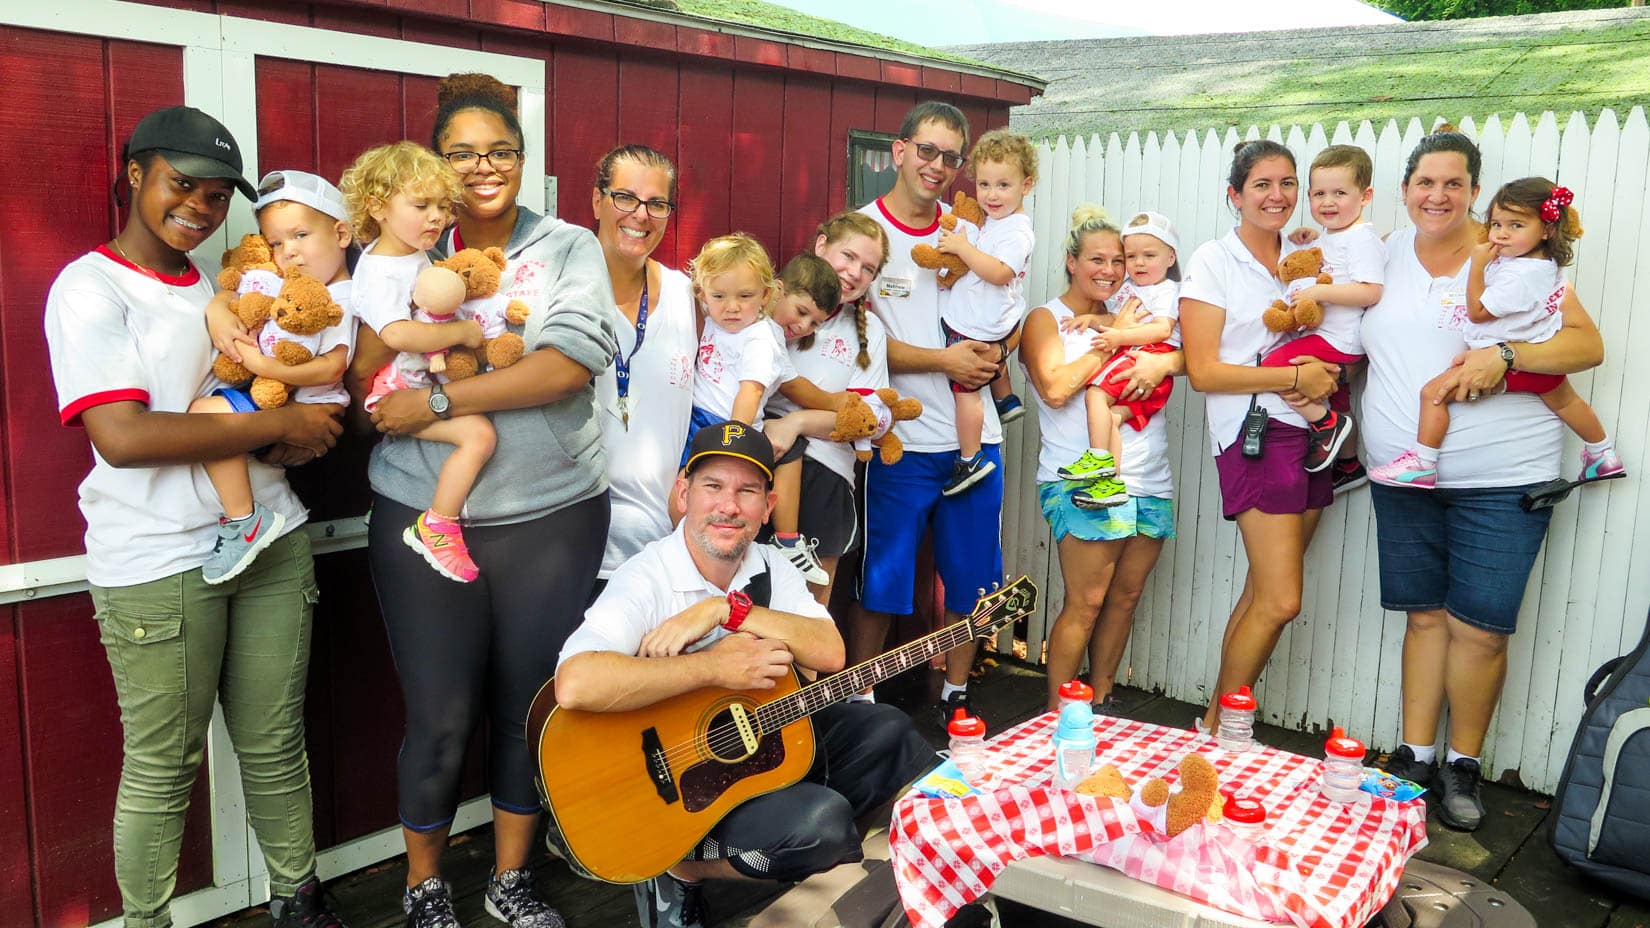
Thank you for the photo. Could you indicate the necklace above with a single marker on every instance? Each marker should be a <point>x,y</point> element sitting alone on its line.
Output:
<point>143,267</point>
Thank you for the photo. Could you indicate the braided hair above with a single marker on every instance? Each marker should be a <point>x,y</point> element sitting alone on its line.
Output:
<point>833,230</point>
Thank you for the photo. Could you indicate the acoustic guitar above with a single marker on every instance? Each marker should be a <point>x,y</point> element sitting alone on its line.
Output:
<point>632,793</point>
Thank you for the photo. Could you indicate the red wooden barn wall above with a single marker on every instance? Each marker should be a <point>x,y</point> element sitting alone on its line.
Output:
<point>760,148</point>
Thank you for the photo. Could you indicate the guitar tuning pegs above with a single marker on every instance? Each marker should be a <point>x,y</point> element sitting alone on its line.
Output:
<point>996,585</point>
<point>981,592</point>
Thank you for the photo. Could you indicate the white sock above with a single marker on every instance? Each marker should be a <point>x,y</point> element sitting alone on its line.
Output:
<point>1596,448</point>
<point>1453,755</point>
<point>1099,452</point>
<point>229,518</point>
<point>1424,753</point>
<point>1427,454</point>
<point>949,688</point>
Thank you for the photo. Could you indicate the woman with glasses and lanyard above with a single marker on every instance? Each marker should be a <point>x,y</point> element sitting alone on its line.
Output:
<point>646,396</point>
<point>482,649</point>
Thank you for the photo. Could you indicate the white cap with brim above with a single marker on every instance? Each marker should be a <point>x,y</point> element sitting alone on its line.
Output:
<point>312,190</point>
<point>1153,224</point>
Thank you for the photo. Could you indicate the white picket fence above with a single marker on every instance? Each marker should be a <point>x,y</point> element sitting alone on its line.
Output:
<point>1339,662</point>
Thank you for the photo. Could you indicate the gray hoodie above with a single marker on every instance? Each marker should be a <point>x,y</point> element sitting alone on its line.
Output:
<point>548,457</point>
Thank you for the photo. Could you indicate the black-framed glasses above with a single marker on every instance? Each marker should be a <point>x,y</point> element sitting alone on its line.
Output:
<point>503,160</point>
<point>927,152</point>
<point>626,202</point>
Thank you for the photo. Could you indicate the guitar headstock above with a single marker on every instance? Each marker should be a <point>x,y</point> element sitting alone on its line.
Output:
<point>1001,606</point>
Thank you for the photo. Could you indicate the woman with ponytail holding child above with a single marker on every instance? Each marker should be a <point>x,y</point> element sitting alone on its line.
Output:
<point>464,651</point>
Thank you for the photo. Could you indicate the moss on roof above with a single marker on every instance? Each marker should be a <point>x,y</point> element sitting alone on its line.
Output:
<point>781,19</point>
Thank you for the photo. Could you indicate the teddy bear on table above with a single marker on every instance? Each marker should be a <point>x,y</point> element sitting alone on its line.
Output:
<point>951,268</point>
<point>291,334</point>
<point>1167,810</point>
<point>1298,270</point>
<point>481,272</point>
<point>867,420</point>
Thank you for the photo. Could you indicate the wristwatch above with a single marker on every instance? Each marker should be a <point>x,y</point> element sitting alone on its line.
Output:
<point>739,606</point>
<point>1507,354</point>
<point>440,403</point>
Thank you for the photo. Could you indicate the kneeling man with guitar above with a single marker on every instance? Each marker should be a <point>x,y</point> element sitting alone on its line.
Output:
<point>666,754</point>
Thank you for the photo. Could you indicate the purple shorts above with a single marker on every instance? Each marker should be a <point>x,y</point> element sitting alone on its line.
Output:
<point>1275,482</point>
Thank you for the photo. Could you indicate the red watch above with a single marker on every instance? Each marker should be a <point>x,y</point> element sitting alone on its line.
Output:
<point>739,606</point>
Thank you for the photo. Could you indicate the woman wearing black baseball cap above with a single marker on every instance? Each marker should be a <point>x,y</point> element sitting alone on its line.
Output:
<point>129,352</point>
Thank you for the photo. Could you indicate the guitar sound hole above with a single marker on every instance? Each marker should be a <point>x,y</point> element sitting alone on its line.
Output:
<point>722,738</point>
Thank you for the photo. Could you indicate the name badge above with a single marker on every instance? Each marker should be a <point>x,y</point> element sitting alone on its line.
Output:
<point>894,287</point>
<point>1452,310</point>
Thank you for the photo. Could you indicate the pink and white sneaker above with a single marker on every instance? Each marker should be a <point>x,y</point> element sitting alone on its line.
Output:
<point>441,542</point>
<point>1406,471</point>
<point>1606,466</point>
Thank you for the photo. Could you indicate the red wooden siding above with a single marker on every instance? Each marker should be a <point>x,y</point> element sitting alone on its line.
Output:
<point>804,164</point>
<point>16,889</point>
<point>705,164</point>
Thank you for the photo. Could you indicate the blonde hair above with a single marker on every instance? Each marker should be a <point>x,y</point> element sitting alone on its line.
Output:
<point>380,173</point>
<point>729,252</point>
<point>1002,146</point>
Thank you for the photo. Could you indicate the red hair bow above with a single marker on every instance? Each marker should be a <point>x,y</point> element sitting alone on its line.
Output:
<point>1554,205</point>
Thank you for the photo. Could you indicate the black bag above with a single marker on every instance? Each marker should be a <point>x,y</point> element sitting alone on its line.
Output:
<point>1602,825</point>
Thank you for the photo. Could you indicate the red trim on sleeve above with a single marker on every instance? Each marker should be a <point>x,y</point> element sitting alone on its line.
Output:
<point>71,413</point>
<point>905,228</point>
<point>187,279</point>
<point>458,240</point>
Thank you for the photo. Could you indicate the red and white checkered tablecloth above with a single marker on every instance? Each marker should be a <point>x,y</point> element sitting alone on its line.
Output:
<point>1320,864</point>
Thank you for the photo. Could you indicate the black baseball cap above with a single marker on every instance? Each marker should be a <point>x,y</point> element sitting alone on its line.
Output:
<point>735,440</point>
<point>193,142</point>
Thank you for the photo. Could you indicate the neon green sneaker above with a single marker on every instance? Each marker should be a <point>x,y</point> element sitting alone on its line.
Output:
<point>1090,466</point>
<point>1101,494</point>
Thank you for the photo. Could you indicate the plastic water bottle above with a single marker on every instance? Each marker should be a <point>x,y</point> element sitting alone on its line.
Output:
<point>967,745</point>
<point>1236,730</point>
<point>1074,744</point>
<point>1246,818</point>
<point>1343,768</point>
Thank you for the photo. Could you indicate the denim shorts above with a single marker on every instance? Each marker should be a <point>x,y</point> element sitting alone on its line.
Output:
<point>1468,552</point>
<point>1147,516</point>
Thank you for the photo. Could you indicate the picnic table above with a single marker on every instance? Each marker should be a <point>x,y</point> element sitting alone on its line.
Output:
<point>1319,864</point>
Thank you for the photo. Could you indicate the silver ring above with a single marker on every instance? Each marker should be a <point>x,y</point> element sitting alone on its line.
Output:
<point>1473,395</point>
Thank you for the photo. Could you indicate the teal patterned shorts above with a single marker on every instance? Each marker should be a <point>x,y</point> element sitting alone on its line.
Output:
<point>1149,516</point>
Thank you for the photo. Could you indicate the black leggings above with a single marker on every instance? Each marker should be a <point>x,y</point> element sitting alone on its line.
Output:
<point>866,753</point>
<point>461,648</point>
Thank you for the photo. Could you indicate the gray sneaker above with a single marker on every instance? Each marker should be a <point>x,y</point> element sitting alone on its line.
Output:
<point>1457,788</point>
<point>666,902</point>
<point>240,542</point>
<point>430,905</point>
<point>512,900</point>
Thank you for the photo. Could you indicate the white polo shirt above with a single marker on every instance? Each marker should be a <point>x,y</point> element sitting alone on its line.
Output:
<point>989,312</point>
<point>1354,255</point>
<point>832,364</point>
<point>642,458</point>
<point>117,332</point>
<point>1524,295</point>
<point>1065,431</point>
<point>1412,335</point>
<point>907,299</point>
<point>728,359</point>
<point>1223,273</point>
<point>662,581</point>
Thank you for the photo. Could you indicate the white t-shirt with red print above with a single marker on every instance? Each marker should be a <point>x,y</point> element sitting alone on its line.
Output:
<point>989,312</point>
<point>1354,255</point>
<point>728,359</point>
<point>832,364</point>
<point>117,332</point>
<point>1524,295</point>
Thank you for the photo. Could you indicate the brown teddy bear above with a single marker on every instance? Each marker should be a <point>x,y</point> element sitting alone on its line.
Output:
<point>249,270</point>
<point>481,272</point>
<point>302,310</point>
<point>867,419</point>
<point>1299,270</point>
<point>951,267</point>
<point>1170,810</point>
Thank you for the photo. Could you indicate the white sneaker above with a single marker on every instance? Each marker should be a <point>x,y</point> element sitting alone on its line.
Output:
<point>801,555</point>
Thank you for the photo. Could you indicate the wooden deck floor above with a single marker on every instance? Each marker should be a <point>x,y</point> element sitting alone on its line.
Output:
<point>1510,850</point>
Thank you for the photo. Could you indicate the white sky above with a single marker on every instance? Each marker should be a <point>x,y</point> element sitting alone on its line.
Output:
<point>969,22</point>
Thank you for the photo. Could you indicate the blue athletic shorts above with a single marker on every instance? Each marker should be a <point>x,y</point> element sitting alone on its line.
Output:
<point>1468,552</point>
<point>239,400</point>
<point>902,503</point>
<point>1147,516</point>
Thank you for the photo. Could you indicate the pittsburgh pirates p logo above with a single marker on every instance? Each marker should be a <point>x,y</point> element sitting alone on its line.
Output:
<point>730,432</point>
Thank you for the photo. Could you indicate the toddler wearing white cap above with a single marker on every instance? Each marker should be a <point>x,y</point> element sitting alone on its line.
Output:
<point>1147,313</point>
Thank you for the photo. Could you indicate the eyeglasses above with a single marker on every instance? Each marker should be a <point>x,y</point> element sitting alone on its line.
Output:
<point>927,153</point>
<point>503,160</point>
<point>628,202</point>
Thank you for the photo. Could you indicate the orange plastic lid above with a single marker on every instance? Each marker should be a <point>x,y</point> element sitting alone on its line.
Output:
<point>962,725</point>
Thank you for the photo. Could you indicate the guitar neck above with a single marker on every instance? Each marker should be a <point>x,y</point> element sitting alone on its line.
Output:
<point>839,686</point>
